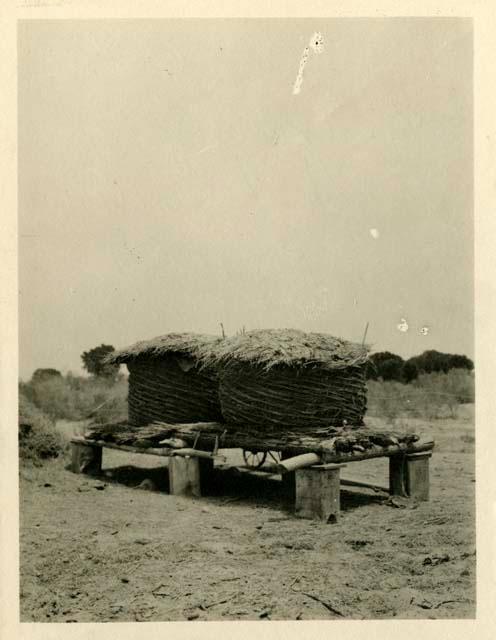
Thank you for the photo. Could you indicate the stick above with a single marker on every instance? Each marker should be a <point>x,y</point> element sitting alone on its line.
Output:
<point>446,602</point>
<point>95,410</point>
<point>196,453</point>
<point>213,604</point>
<point>365,333</point>
<point>235,499</point>
<point>297,579</point>
<point>365,485</point>
<point>326,604</point>
<point>124,447</point>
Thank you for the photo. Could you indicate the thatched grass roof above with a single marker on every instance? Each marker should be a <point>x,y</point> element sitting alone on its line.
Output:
<point>184,344</point>
<point>270,348</point>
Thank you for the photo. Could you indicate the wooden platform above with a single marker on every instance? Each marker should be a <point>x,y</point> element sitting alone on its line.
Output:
<point>311,468</point>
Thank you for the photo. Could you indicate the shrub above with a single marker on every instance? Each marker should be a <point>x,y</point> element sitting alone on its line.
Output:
<point>434,361</point>
<point>45,374</point>
<point>76,398</point>
<point>38,439</point>
<point>430,396</point>
<point>448,390</point>
<point>385,365</point>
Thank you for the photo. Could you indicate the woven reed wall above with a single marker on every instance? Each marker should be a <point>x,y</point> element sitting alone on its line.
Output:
<point>160,389</point>
<point>303,398</point>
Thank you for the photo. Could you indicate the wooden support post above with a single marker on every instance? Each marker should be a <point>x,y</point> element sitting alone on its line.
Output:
<point>409,475</point>
<point>397,475</point>
<point>417,475</point>
<point>317,492</point>
<point>289,480</point>
<point>188,475</point>
<point>86,458</point>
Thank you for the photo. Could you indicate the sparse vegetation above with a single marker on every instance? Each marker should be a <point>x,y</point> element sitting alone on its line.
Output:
<point>38,439</point>
<point>430,396</point>
<point>73,397</point>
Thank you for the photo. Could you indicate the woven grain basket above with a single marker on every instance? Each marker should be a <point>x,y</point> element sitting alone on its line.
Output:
<point>277,379</point>
<point>166,382</point>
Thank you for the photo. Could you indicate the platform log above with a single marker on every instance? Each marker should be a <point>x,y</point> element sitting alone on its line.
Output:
<point>187,475</point>
<point>317,492</point>
<point>86,458</point>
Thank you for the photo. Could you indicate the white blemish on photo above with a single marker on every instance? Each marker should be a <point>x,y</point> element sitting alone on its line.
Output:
<point>374,233</point>
<point>316,45</point>
<point>425,330</point>
<point>402,325</point>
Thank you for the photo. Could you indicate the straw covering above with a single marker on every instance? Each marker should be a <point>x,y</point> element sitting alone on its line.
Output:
<point>286,378</point>
<point>186,344</point>
<point>270,348</point>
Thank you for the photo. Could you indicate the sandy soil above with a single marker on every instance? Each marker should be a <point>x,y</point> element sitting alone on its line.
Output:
<point>103,549</point>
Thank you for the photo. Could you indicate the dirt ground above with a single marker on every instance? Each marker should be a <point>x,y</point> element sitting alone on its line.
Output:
<point>103,549</point>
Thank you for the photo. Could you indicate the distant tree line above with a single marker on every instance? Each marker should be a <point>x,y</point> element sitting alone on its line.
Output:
<point>390,366</point>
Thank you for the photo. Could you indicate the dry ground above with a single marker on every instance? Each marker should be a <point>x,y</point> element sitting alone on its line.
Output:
<point>100,549</point>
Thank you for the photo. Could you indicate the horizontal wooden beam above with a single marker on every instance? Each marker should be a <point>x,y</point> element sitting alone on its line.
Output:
<point>154,451</point>
<point>379,452</point>
<point>197,453</point>
<point>298,462</point>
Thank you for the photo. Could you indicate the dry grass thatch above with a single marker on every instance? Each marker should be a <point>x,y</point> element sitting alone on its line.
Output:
<point>270,348</point>
<point>185,344</point>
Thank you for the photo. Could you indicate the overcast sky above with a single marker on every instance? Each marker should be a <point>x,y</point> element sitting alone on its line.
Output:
<point>170,180</point>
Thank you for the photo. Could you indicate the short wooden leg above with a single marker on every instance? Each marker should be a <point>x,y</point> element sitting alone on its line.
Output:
<point>317,492</point>
<point>409,475</point>
<point>289,484</point>
<point>206,475</point>
<point>86,458</point>
<point>417,475</point>
<point>186,475</point>
<point>397,475</point>
<point>289,480</point>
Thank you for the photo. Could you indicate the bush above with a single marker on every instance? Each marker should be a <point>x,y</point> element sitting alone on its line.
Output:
<point>434,361</point>
<point>385,365</point>
<point>38,439</point>
<point>76,398</point>
<point>430,396</point>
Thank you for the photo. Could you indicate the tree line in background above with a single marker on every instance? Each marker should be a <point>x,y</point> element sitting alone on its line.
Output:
<point>391,367</point>
<point>382,365</point>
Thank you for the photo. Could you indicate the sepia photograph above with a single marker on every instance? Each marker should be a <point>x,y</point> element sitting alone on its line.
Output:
<point>246,319</point>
